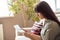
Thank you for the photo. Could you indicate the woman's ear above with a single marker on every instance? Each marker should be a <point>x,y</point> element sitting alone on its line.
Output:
<point>40,15</point>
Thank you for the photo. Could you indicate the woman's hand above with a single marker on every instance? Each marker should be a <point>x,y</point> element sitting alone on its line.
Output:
<point>27,34</point>
<point>32,36</point>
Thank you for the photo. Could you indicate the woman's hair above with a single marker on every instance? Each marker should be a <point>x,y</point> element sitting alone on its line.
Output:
<point>44,8</point>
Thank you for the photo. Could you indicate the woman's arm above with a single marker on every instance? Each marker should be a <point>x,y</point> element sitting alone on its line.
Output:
<point>32,36</point>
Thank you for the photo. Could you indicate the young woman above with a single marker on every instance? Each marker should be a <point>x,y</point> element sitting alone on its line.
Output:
<point>51,27</point>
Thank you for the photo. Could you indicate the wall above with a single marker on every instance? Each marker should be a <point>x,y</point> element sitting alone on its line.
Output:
<point>8,22</point>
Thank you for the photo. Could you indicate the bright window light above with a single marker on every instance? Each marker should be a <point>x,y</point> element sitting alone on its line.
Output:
<point>58,4</point>
<point>51,3</point>
<point>4,11</point>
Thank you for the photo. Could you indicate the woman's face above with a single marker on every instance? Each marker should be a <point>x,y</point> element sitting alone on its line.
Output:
<point>40,16</point>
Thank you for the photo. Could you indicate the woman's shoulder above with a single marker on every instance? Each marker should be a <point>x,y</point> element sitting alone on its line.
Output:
<point>51,24</point>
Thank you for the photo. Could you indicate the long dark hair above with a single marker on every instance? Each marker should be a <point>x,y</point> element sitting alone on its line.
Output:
<point>44,8</point>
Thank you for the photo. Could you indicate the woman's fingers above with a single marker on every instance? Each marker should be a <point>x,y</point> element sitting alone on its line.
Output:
<point>26,34</point>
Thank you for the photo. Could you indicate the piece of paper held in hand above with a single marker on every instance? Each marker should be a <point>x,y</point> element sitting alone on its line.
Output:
<point>18,28</point>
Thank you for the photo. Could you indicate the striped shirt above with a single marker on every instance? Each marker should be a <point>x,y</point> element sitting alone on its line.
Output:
<point>37,26</point>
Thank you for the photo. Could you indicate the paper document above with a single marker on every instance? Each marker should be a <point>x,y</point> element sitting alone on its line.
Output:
<point>18,28</point>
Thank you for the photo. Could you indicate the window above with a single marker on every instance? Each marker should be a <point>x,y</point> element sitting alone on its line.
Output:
<point>4,11</point>
<point>51,2</point>
<point>57,4</point>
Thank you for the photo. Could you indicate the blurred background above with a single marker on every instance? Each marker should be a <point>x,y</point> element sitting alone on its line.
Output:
<point>20,12</point>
